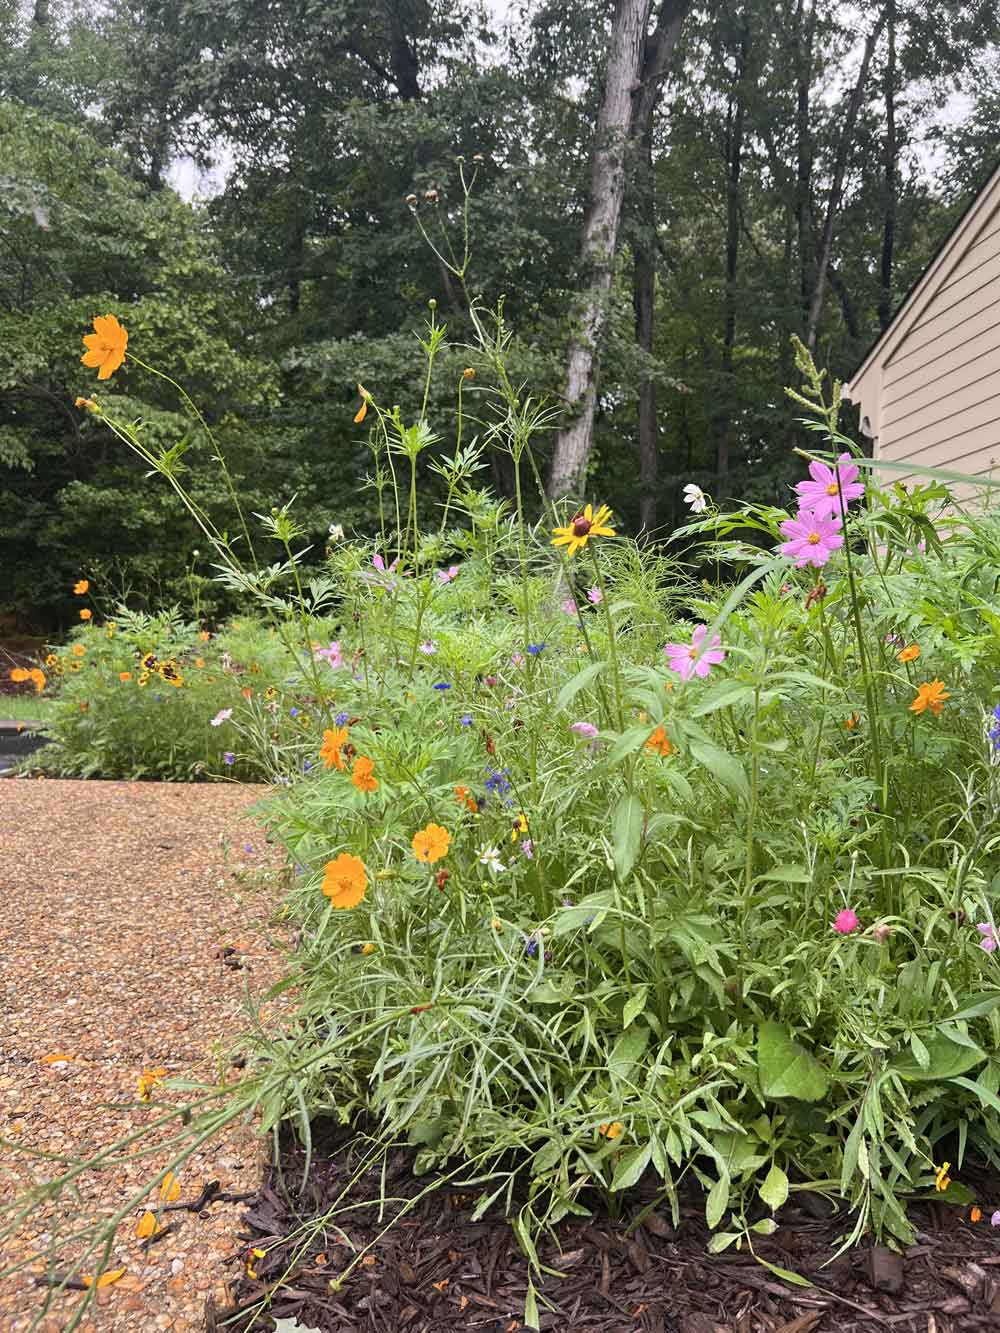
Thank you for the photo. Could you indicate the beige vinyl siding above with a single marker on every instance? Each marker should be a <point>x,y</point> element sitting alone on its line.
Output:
<point>939,400</point>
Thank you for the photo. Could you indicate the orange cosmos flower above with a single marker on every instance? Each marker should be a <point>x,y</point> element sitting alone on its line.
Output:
<point>612,1130</point>
<point>908,654</point>
<point>333,743</point>
<point>81,586</point>
<point>932,695</point>
<point>431,843</point>
<point>170,1188</point>
<point>88,403</point>
<point>124,675</point>
<point>86,613</point>
<point>204,635</point>
<point>78,650</point>
<point>345,880</point>
<point>105,346</point>
<point>19,675</point>
<point>361,774</point>
<point>581,527</point>
<point>148,1080</point>
<point>466,798</point>
<point>37,679</point>
<point>362,411</point>
<point>659,743</point>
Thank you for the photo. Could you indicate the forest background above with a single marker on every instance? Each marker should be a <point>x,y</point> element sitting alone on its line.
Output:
<point>788,167</point>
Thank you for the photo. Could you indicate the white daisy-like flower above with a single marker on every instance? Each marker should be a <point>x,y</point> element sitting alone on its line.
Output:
<point>696,498</point>
<point>490,858</point>
<point>336,532</point>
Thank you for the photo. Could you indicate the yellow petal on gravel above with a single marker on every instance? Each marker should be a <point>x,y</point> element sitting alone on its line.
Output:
<point>147,1225</point>
<point>170,1189</point>
<point>106,1279</point>
<point>56,1058</point>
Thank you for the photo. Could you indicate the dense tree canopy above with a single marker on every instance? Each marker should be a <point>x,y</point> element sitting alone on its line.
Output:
<point>789,168</point>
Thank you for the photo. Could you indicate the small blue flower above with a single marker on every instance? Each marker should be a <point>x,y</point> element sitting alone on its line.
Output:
<point>293,712</point>
<point>442,685</point>
<point>497,781</point>
<point>466,720</point>
<point>535,648</point>
<point>306,765</point>
<point>228,757</point>
<point>531,947</point>
<point>341,718</point>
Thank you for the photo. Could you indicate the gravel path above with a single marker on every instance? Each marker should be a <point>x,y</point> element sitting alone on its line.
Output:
<point>117,899</point>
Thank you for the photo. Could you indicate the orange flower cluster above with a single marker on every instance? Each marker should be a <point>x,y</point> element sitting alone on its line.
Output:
<point>19,675</point>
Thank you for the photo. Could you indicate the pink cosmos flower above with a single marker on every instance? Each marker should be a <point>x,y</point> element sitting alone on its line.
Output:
<point>517,659</point>
<point>845,922</point>
<point>384,576</point>
<point>585,729</point>
<point>813,539</point>
<point>595,596</point>
<point>446,575</point>
<point>332,654</point>
<point>822,495</point>
<point>989,941</point>
<point>995,1219</point>
<point>428,647</point>
<point>223,715</point>
<point>569,606</point>
<point>681,656</point>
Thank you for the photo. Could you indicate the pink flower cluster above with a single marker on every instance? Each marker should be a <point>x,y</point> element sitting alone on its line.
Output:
<point>814,533</point>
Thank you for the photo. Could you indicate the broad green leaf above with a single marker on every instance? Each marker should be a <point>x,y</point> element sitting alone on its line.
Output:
<point>786,1068</point>
<point>715,1204</point>
<point>723,695</point>
<point>786,874</point>
<point>628,1048</point>
<point>581,913</point>
<point>987,1098</point>
<point>945,1059</point>
<point>626,828</point>
<point>634,1007</point>
<point>774,1190</point>
<point>721,765</point>
<point>767,1226</point>
<point>630,1166</point>
<point>722,1241</point>
<point>579,682</point>
<point>627,743</point>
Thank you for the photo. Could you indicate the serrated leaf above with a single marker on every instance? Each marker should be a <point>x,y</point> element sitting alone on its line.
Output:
<point>630,1166</point>
<point>774,1190</point>
<point>786,1068</point>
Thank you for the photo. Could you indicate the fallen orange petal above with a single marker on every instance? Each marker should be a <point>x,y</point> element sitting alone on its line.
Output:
<point>147,1225</point>
<point>170,1189</point>
<point>56,1058</point>
<point>106,1279</point>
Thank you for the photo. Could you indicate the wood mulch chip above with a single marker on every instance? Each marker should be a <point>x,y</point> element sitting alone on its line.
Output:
<point>120,901</point>
<point>437,1270</point>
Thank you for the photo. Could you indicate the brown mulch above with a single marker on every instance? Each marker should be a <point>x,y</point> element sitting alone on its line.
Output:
<point>437,1270</point>
<point>119,904</point>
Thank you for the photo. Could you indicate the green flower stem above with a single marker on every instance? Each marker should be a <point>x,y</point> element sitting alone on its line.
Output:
<point>612,646</point>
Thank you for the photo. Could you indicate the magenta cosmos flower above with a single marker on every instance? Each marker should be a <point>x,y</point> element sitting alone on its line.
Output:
<point>821,495</point>
<point>812,539</point>
<point>845,922</point>
<point>681,656</point>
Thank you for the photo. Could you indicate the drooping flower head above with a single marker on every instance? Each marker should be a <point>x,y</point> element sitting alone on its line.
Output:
<point>583,525</point>
<point>431,843</point>
<point>659,743</point>
<point>428,647</point>
<point>681,656</point>
<point>812,538</point>
<point>822,494</point>
<point>345,880</point>
<point>223,715</point>
<point>932,695</point>
<point>105,346</point>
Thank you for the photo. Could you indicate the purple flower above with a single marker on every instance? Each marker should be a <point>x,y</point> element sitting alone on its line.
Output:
<point>585,729</point>
<point>595,596</point>
<point>228,757</point>
<point>223,715</point>
<point>995,1219</point>
<point>332,654</point>
<point>442,685</point>
<point>466,720</point>
<point>293,712</point>
<point>384,577</point>
<point>446,575</point>
<point>535,648</point>
<point>306,766</point>
<point>989,941</point>
<point>428,647</point>
<point>341,718</point>
<point>528,849</point>
<point>681,656</point>
<point>517,659</point>
<point>497,780</point>
<point>845,922</point>
<point>248,848</point>
<point>822,494</point>
<point>489,680</point>
<point>812,538</point>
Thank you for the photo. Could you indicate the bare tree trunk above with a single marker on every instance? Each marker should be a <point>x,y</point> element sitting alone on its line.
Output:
<point>839,170</point>
<point>734,164</point>
<point>659,48</point>
<point>600,236</point>
<point>889,182</point>
<point>805,29</point>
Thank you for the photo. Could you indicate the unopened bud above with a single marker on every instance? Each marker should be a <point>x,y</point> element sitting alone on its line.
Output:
<point>411,199</point>
<point>881,932</point>
<point>431,196</point>
<point>468,373</point>
<point>477,157</point>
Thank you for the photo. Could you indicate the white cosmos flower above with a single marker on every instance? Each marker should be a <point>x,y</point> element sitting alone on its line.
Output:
<point>490,857</point>
<point>696,498</point>
<point>336,532</point>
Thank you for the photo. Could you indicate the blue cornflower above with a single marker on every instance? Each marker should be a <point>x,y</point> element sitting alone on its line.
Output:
<point>341,718</point>
<point>497,781</point>
<point>293,712</point>
<point>442,685</point>
<point>531,946</point>
<point>994,731</point>
<point>535,648</point>
<point>228,757</point>
<point>466,720</point>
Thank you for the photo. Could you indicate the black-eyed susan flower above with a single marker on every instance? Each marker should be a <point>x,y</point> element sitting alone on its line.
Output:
<point>583,525</point>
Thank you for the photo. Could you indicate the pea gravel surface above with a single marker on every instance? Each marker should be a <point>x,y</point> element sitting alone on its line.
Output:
<point>120,901</point>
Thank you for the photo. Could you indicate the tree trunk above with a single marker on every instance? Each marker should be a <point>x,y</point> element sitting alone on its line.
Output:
<point>805,29</point>
<point>837,184</point>
<point>402,56</point>
<point>600,236</point>
<point>889,180</point>
<point>734,164</point>
<point>658,51</point>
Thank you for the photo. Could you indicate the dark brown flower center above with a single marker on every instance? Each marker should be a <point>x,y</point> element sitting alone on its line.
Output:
<point>581,526</point>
